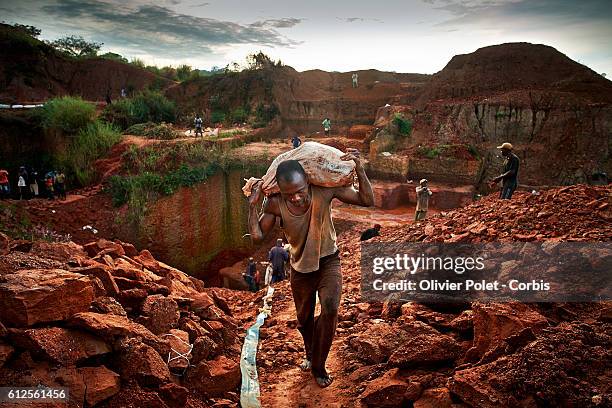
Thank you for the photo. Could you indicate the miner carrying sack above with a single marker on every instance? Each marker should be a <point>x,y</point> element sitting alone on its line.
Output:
<point>299,187</point>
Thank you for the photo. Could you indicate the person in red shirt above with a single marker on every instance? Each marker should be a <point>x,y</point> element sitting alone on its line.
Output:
<point>5,187</point>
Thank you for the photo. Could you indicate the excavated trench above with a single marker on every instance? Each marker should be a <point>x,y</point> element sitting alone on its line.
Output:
<point>201,230</point>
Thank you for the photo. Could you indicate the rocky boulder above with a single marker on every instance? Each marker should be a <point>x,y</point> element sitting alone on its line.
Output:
<point>494,322</point>
<point>58,345</point>
<point>43,295</point>
<point>110,327</point>
<point>90,384</point>
<point>215,377</point>
<point>389,390</point>
<point>160,313</point>
<point>142,363</point>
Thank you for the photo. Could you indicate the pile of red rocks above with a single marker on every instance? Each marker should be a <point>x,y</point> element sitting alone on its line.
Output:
<point>573,213</point>
<point>488,355</point>
<point>115,326</point>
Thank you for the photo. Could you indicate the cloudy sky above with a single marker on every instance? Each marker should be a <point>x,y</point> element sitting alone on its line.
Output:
<point>395,35</point>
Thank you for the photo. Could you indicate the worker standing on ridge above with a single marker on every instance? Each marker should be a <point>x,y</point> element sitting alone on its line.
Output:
<point>277,257</point>
<point>423,193</point>
<point>198,125</point>
<point>509,177</point>
<point>355,78</point>
<point>305,213</point>
<point>326,126</point>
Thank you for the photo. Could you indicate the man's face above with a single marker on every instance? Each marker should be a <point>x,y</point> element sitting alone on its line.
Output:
<point>296,191</point>
<point>505,152</point>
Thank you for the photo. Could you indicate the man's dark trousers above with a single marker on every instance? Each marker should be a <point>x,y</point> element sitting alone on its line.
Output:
<point>318,333</point>
<point>507,190</point>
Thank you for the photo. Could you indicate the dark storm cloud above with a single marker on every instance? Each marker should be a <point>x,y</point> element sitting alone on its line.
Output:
<point>277,23</point>
<point>159,30</point>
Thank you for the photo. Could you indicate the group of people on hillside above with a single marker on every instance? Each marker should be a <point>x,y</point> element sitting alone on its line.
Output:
<point>276,268</point>
<point>30,183</point>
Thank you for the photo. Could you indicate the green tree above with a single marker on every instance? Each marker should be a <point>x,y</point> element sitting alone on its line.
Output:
<point>259,61</point>
<point>77,46</point>
<point>115,57</point>
<point>137,62</point>
<point>28,29</point>
<point>183,72</point>
<point>169,73</point>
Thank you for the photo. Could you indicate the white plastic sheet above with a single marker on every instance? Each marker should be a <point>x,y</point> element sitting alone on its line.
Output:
<point>249,391</point>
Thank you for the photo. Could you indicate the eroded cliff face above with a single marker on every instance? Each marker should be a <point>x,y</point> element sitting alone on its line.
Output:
<point>31,70</point>
<point>558,141</point>
<point>302,99</point>
<point>191,227</point>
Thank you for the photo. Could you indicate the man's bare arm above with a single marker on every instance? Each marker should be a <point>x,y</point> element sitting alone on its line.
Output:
<point>260,226</point>
<point>364,196</point>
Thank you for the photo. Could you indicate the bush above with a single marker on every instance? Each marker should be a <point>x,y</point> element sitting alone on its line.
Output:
<point>91,142</point>
<point>473,151</point>
<point>152,106</point>
<point>404,126</point>
<point>68,114</point>
<point>239,115</point>
<point>119,113</point>
<point>429,152</point>
<point>147,106</point>
<point>153,131</point>
<point>264,114</point>
<point>217,117</point>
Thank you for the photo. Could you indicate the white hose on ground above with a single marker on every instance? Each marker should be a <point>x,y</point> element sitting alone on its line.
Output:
<point>249,391</point>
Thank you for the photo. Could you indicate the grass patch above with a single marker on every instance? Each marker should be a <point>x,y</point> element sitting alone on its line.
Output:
<point>217,116</point>
<point>452,151</point>
<point>239,115</point>
<point>429,152</point>
<point>153,172</point>
<point>404,126</point>
<point>164,169</point>
<point>87,138</point>
<point>147,106</point>
<point>152,130</point>
<point>91,142</point>
<point>66,114</point>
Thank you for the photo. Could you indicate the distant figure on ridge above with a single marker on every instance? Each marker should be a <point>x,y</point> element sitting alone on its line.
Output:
<point>355,78</point>
<point>198,125</point>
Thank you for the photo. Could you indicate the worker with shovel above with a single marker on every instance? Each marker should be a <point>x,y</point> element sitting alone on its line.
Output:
<point>509,177</point>
<point>305,213</point>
